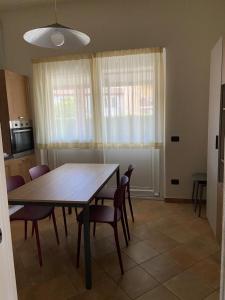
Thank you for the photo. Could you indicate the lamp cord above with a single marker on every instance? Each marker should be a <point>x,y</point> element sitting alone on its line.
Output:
<point>55,10</point>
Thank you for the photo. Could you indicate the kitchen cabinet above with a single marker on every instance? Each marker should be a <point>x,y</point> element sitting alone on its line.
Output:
<point>17,95</point>
<point>20,166</point>
<point>13,103</point>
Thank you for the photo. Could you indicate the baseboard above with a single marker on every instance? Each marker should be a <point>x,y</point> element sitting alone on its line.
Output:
<point>177,200</point>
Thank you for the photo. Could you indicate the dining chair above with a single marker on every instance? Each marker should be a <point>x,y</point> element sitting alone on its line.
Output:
<point>108,194</point>
<point>38,171</point>
<point>31,213</point>
<point>110,215</point>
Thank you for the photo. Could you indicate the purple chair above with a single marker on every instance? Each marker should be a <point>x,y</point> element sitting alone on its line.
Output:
<point>110,215</point>
<point>108,194</point>
<point>31,213</point>
<point>38,171</point>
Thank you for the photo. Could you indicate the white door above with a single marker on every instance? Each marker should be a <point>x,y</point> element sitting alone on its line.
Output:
<point>213,132</point>
<point>7,272</point>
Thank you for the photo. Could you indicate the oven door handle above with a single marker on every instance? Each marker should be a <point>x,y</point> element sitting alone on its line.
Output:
<point>21,130</point>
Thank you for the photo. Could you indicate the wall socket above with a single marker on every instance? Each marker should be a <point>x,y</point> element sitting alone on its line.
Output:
<point>175,138</point>
<point>175,181</point>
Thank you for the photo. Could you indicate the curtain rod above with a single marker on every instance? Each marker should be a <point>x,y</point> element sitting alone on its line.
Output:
<point>78,56</point>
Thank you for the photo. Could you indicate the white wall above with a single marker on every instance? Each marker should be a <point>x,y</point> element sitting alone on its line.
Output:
<point>187,28</point>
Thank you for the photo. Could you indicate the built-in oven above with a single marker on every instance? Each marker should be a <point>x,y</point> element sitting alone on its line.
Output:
<point>21,137</point>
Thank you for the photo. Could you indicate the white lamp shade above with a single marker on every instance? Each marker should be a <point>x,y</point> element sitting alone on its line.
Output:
<point>56,36</point>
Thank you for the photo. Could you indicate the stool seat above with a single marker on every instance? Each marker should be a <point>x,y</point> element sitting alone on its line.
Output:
<point>199,177</point>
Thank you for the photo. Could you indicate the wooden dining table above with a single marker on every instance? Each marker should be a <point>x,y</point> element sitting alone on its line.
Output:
<point>70,185</point>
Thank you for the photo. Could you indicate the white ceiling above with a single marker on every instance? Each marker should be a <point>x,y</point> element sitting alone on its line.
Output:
<point>13,4</point>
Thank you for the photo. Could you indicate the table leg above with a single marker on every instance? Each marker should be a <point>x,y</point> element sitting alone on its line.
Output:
<point>118,176</point>
<point>87,248</point>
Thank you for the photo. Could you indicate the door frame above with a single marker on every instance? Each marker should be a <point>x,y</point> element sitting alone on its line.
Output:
<point>8,290</point>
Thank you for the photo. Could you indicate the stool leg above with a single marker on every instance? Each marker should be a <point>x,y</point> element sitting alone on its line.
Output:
<point>200,200</point>
<point>193,191</point>
<point>196,197</point>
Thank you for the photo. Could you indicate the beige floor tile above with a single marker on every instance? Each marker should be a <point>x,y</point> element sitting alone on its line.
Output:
<point>158,293</point>
<point>50,290</point>
<point>77,275</point>
<point>140,252</point>
<point>142,232</point>
<point>161,242</point>
<point>106,290</point>
<point>214,296</point>
<point>110,264</point>
<point>200,248</point>
<point>133,239</point>
<point>216,257</point>
<point>152,245</point>
<point>162,267</point>
<point>162,223</point>
<point>136,282</point>
<point>180,233</point>
<point>208,271</point>
<point>102,231</point>
<point>188,286</point>
<point>102,247</point>
<point>182,257</point>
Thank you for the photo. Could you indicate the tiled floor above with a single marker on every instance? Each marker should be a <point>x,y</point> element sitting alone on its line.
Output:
<point>172,255</point>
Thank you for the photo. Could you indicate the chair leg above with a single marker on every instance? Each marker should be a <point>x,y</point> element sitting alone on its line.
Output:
<point>196,197</point>
<point>193,192</point>
<point>94,228</point>
<point>126,220</point>
<point>32,233</point>
<point>64,220</point>
<point>25,230</point>
<point>35,224</point>
<point>118,247</point>
<point>94,224</point>
<point>130,204</point>
<point>124,228</point>
<point>55,227</point>
<point>102,201</point>
<point>78,243</point>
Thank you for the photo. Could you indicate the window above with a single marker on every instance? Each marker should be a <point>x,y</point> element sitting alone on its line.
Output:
<point>64,104</point>
<point>129,98</point>
<point>115,100</point>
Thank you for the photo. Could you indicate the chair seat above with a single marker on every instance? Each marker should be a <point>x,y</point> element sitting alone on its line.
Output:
<point>106,193</point>
<point>32,213</point>
<point>101,214</point>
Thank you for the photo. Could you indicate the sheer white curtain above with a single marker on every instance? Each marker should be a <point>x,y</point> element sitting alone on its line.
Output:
<point>63,104</point>
<point>131,97</point>
<point>111,104</point>
<point>130,89</point>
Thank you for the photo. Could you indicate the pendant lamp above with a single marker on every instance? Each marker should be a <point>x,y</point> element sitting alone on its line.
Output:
<point>56,36</point>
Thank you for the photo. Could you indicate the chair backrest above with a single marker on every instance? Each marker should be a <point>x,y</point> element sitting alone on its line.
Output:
<point>13,182</point>
<point>119,195</point>
<point>129,172</point>
<point>38,171</point>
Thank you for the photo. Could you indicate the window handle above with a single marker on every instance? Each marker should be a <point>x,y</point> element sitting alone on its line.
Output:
<point>0,235</point>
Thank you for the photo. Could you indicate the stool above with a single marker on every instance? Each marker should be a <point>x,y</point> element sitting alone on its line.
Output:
<point>199,183</point>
